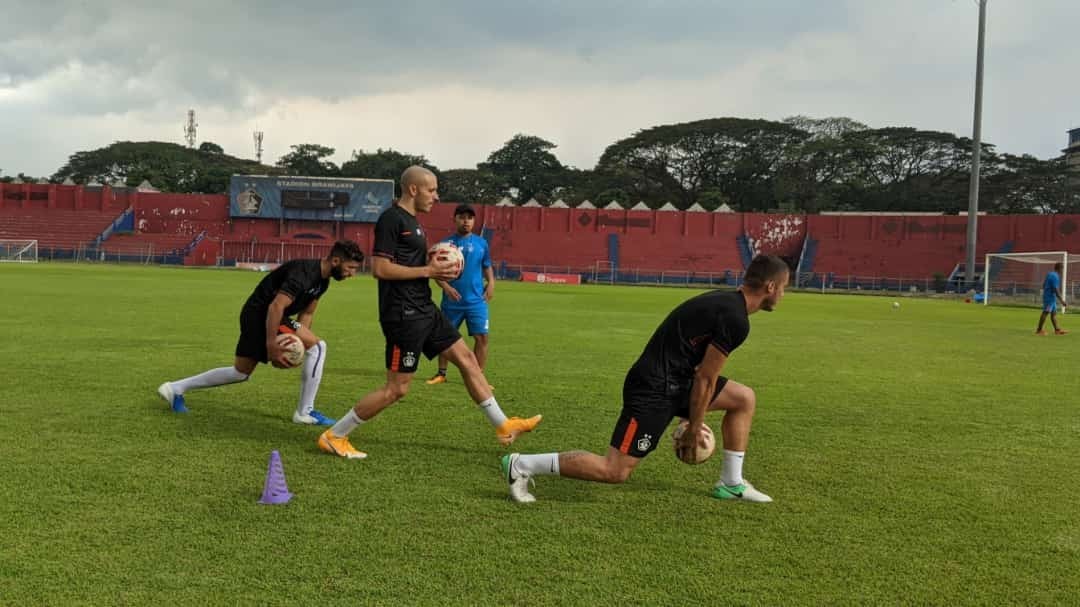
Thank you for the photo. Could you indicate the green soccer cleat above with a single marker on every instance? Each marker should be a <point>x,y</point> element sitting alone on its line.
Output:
<point>743,491</point>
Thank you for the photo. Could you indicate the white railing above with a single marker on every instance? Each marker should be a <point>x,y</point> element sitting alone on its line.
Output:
<point>142,253</point>
<point>603,273</point>
<point>272,252</point>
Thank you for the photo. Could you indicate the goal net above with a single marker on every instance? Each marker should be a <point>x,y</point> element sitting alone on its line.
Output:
<point>18,251</point>
<point>1017,278</point>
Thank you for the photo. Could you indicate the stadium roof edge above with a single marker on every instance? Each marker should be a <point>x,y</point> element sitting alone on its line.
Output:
<point>311,177</point>
<point>894,213</point>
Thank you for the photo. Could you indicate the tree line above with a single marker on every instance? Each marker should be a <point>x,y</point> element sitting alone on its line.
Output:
<point>799,164</point>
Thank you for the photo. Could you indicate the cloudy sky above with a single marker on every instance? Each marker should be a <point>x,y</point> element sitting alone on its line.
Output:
<point>453,79</point>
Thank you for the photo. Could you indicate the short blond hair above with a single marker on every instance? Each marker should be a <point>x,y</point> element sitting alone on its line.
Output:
<point>415,174</point>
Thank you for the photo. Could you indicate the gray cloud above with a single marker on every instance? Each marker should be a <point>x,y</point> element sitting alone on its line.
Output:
<point>112,69</point>
<point>341,48</point>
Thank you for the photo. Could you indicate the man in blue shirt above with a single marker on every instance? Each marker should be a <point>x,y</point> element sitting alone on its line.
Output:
<point>1051,297</point>
<point>466,298</point>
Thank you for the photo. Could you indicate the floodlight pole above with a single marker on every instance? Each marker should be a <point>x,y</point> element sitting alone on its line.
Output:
<point>976,152</point>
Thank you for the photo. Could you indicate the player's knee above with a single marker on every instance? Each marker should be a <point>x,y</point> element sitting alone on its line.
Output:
<point>617,474</point>
<point>616,469</point>
<point>243,367</point>
<point>466,362</point>
<point>749,400</point>
<point>745,399</point>
<point>396,392</point>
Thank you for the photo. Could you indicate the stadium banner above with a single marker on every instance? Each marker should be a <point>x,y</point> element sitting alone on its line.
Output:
<point>551,279</point>
<point>315,198</point>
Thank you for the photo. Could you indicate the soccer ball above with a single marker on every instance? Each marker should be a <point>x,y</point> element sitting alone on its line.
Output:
<point>700,452</point>
<point>448,251</point>
<point>294,348</point>
<point>895,305</point>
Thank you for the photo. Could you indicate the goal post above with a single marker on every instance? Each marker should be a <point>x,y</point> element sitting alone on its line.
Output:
<point>1017,278</point>
<point>19,251</point>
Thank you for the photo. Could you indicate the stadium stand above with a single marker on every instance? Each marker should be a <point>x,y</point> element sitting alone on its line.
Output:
<point>198,229</point>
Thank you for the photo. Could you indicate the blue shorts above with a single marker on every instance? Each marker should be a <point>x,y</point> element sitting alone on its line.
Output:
<point>1050,305</point>
<point>474,316</point>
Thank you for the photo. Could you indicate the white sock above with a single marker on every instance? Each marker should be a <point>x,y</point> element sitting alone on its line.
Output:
<point>493,412</point>
<point>214,377</point>
<point>732,474</point>
<point>346,424</point>
<point>543,464</point>
<point>309,383</point>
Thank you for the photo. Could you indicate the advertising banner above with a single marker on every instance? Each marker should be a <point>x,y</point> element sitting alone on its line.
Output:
<point>315,198</point>
<point>551,279</point>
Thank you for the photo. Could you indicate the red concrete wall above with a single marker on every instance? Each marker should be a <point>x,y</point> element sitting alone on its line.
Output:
<point>32,196</point>
<point>181,213</point>
<point>919,246</point>
<point>887,258</point>
<point>203,254</point>
<point>778,234</point>
<point>578,238</point>
<point>1020,229</point>
<point>520,236</point>
<point>880,245</point>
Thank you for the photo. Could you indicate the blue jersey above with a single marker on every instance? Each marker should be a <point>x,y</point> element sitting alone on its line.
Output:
<point>1051,286</point>
<point>471,282</point>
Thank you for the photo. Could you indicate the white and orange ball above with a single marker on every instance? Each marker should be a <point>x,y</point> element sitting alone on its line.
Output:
<point>448,251</point>
<point>700,452</point>
<point>294,348</point>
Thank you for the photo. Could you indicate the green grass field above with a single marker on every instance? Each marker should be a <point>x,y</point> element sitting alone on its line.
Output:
<point>928,455</point>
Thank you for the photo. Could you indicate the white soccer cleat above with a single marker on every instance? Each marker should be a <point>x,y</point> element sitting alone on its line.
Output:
<point>303,418</point>
<point>743,491</point>
<point>166,393</point>
<point>519,484</point>
<point>312,418</point>
<point>176,401</point>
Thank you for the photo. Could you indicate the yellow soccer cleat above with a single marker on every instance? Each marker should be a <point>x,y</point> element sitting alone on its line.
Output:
<point>514,427</point>
<point>339,446</point>
<point>438,379</point>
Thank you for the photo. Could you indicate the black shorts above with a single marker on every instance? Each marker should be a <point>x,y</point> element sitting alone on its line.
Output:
<point>252,342</point>
<point>646,414</point>
<point>406,339</point>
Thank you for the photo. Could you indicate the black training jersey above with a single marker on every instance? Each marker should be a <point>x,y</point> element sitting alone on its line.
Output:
<point>300,279</point>
<point>399,238</point>
<point>679,343</point>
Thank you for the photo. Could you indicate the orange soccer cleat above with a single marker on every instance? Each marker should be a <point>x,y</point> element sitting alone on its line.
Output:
<point>339,446</point>
<point>515,426</point>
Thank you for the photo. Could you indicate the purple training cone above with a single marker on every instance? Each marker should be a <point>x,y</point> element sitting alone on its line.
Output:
<point>275,491</point>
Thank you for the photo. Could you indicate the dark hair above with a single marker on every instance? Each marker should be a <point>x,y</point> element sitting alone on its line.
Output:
<point>763,269</point>
<point>347,250</point>
<point>1058,267</point>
